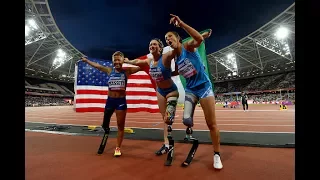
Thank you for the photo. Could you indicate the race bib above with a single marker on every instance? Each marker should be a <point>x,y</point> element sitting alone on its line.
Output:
<point>186,69</point>
<point>156,74</point>
<point>117,83</point>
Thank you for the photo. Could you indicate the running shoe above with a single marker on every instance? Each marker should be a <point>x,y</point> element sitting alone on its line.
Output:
<point>117,152</point>
<point>217,164</point>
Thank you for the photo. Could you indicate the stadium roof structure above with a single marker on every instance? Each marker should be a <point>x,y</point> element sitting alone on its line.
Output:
<point>48,54</point>
<point>271,48</point>
<point>268,50</point>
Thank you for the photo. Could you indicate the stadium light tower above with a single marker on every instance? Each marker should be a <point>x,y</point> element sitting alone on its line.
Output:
<point>61,58</point>
<point>30,26</point>
<point>231,59</point>
<point>278,43</point>
<point>229,62</point>
<point>33,32</point>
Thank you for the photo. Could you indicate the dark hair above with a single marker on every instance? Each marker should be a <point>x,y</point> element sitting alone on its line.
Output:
<point>160,43</point>
<point>177,35</point>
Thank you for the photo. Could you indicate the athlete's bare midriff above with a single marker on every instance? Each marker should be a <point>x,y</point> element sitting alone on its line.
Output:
<point>116,94</point>
<point>164,84</point>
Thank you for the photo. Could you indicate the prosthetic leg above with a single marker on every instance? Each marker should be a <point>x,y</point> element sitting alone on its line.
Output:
<point>170,114</point>
<point>192,152</point>
<point>106,127</point>
<point>190,104</point>
<point>171,148</point>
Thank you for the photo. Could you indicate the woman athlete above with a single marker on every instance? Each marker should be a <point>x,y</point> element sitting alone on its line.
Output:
<point>167,91</point>
<point>198,85</point>
<point>116,101</point>
<point>156,48</point>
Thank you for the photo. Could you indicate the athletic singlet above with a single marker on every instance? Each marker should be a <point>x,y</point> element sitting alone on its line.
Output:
<point>191,68</point>
<point>117,81</point>
<point>160,72</point>
<point>244,98</point>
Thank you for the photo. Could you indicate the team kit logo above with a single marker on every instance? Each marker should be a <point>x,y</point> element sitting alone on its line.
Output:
<point>156,74</point>
<point>117,82</point>
<point>186,68</point>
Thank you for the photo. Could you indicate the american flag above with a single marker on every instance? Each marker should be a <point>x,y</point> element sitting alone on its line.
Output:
<point>91,89</point>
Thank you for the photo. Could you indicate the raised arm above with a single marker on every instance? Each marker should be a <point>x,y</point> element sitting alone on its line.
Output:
<point>137,62</point>
<point>175,72</point>
<point>96,65</point>
<point>132,70</point>
<point>197,37</point>
<point>168,56</point>
<point>206,34</point>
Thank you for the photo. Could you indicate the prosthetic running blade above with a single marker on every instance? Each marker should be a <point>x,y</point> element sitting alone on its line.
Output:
<point>192,152</point>
<point>103,143</point>
<point>170,154</point>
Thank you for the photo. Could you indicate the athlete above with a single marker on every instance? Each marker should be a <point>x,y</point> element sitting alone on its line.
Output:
<point>198,85</point>
<point>116,101</point>
<point>155,48</point>
<point>167,91</point>
<point>244,100</point>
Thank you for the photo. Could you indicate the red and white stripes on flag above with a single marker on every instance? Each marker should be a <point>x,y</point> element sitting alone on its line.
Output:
<point>141,95</point>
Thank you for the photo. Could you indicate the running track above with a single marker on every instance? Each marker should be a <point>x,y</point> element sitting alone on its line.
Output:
<point>260,118</point>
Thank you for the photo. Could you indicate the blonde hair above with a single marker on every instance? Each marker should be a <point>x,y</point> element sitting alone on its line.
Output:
<point>117,53</point>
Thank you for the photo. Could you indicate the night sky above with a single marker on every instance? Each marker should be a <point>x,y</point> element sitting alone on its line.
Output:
<point>97,28</point>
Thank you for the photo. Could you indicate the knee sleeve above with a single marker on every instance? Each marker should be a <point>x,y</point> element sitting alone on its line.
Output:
<point>106,118</point>
<point>171,109</point>
<point>189,106</point>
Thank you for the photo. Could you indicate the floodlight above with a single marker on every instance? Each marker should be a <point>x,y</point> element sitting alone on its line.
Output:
<point>61,58</point>
<point>229,56</point>
<point>33,24</point>
<point>33,32</point>
<point>27,31</point>
<point>282,33</point>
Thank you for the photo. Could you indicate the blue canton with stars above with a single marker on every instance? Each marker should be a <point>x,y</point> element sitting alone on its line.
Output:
<point>90,76</point>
